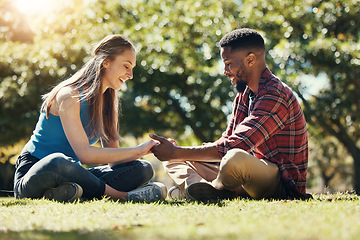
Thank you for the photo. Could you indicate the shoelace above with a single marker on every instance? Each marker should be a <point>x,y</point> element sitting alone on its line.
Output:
<point>145,193</point>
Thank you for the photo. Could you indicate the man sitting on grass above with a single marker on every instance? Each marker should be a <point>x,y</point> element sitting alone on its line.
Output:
<point>264,151</point>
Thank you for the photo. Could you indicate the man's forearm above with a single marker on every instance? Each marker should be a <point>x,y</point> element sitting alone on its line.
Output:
<point>167,151</point>
<point>205,153</point>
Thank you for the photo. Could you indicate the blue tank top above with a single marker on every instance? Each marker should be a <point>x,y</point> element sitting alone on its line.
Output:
<point>49,136</point>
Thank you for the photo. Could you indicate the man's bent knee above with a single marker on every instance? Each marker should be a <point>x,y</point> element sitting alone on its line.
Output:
<point>233,167</point>
<point>234,159</point>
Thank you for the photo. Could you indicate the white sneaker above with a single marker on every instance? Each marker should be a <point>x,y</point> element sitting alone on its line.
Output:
<point>151,192</point>
<point>175,193</point>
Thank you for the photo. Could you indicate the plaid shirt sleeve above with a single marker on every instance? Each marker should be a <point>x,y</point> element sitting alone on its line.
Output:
<point>268,116</point>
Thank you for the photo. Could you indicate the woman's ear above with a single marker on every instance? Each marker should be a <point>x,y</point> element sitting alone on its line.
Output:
<point>105,63</point>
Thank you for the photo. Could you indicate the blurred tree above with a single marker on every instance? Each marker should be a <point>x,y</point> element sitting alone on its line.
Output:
<point>330,165</point>
<point>14,26</point>
<point>8,156</point>
<point>176,86</point>
<point>30,66</point>
<point>178,82</point>
<point>316,37</point>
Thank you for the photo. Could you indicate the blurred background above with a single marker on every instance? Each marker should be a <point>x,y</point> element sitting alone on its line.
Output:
<point>179,89</point>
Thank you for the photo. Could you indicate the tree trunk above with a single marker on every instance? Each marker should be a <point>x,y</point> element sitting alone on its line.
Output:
<point>336,129</point>
<point>350,145</point>
<point>197,131</point>
<point>355,153</point>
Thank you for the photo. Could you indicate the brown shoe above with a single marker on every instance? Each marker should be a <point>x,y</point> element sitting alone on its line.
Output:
<point>205,192</point>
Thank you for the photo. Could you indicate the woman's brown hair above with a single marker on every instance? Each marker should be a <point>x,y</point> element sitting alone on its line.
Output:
<point>104,108</point>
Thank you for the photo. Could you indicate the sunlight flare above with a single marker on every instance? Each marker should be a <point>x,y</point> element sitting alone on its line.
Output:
<point>37,7</point>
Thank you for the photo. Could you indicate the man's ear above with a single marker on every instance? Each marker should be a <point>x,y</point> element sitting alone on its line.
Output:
<point>251,59</point>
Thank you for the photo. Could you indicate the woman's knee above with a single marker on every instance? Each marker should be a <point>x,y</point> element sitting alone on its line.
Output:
<point>58,163</point>
<point>46,173</point>
<point>148,170</point>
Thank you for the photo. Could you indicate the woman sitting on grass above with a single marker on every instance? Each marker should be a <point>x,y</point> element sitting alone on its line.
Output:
<point>76,114</point>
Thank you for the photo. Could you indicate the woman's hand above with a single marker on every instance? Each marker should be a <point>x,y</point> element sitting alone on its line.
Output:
<point>145,147</point>
<point>140,150</point>
<point>164,149</point>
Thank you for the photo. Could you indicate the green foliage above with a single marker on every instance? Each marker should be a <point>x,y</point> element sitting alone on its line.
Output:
<point>178,84</point>
<point>8,156</point>
<point>27,71</point>
<point>330,165</point>
<point>312,38</point>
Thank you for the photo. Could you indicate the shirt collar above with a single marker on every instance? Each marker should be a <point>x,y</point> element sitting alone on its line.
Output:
<point>266,75</point>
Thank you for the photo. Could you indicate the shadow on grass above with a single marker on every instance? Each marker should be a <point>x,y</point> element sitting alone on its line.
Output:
<point>218,203</point>
<point>72,235</point>
<point>11,201</point>
<point>340,196</point>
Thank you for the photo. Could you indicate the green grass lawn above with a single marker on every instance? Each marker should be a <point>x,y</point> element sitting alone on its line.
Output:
<point>326,217</point>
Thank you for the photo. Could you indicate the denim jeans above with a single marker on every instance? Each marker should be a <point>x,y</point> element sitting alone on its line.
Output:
<point>33,176</point>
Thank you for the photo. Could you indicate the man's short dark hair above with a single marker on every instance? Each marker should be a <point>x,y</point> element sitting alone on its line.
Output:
<point>243,38</point>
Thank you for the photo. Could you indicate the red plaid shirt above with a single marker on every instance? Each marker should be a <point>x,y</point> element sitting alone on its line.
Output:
<point>274,130</point>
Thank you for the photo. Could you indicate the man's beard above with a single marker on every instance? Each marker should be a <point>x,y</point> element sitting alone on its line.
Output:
<point>240,86</point>
<point>241,82</point>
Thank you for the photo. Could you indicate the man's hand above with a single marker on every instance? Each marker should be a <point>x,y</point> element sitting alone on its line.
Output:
<point>164,151</point>
<point>173,142</point>
<point>167,149</point>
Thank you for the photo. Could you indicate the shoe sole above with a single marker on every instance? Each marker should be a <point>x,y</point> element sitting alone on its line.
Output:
<point>66,192</point>
<point>205,192</point>
<point>178,196</point>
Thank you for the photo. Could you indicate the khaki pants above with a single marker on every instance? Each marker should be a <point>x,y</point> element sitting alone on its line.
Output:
<point>237,171</point>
